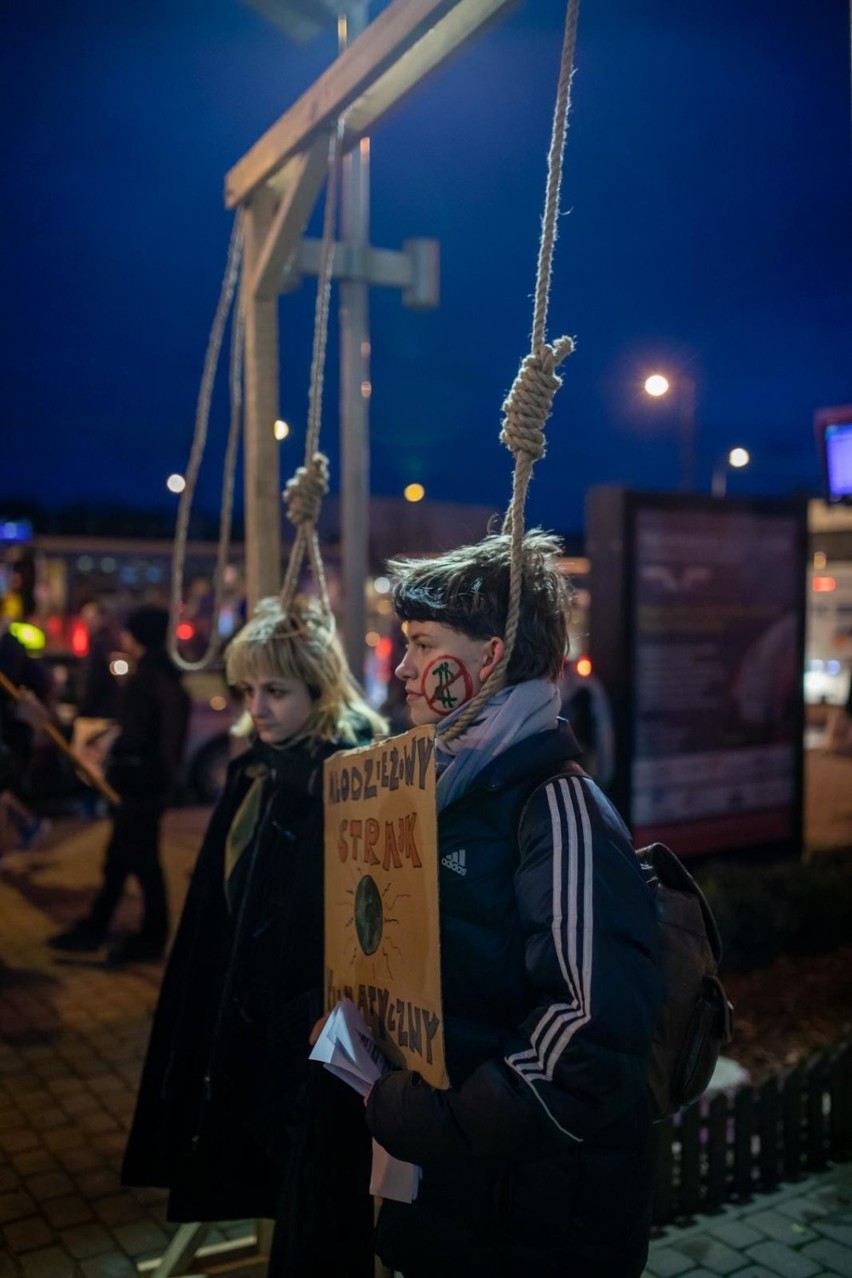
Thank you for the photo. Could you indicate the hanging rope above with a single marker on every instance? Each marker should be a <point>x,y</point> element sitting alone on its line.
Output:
<point>199,442</point>
<point>529,402</point>
<point>303,494</point>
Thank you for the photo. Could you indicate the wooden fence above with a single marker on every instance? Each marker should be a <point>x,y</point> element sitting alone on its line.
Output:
<point>727,1147</point>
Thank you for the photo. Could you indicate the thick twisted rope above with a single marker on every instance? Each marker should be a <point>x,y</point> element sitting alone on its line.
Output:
<point>528,404</point>
<point>303,494</point>
<point>199,442</point>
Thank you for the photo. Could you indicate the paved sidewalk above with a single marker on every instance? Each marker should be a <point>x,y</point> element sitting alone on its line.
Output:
<point>72,1039</point>
<point>798,1231</point>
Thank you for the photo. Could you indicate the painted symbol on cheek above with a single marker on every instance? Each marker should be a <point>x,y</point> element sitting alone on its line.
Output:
<point>446,684</point>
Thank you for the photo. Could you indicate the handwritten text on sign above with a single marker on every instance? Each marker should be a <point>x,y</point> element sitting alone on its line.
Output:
<point>382,946</point>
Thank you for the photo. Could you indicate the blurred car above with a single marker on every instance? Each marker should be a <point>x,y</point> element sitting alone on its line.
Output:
<point>213,711</point>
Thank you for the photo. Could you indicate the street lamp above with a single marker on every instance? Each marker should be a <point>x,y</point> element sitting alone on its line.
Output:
<point>734,459</point>
<point>683,387</point>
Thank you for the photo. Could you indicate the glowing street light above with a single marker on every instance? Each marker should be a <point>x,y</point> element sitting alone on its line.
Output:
<point>414,492</point>
<point>656,385</point>
<point>175,483</point>
<point>683,388</point>
<point>280,430</point>
<point>734,459</point>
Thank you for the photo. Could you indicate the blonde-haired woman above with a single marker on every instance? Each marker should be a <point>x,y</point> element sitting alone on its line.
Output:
<point>230,1116</point>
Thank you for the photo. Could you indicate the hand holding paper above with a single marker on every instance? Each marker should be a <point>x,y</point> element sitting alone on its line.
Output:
<point>347,1049</point>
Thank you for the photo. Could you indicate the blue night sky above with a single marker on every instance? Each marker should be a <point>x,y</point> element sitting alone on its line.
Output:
<point>707,229</point>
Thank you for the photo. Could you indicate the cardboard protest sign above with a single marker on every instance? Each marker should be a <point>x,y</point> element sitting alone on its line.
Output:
<point>382,941</point>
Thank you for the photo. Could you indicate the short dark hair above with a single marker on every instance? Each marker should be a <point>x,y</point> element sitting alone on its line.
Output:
<point>149,625</point>
<point>467,589</point>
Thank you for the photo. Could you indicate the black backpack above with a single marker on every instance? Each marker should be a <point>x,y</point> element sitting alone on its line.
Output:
<point>696,1019</point>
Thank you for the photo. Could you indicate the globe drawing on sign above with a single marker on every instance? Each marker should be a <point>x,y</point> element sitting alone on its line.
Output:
<point>369,918</point>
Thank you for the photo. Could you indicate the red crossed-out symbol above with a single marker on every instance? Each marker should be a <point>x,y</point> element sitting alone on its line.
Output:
<point>441,687</point>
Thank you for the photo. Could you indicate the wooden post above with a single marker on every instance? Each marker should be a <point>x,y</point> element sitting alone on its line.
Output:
<point>690,1160</point>
<point>355,392</point>
<point>262,478</point>
<point>717,1150</point>
<point>743,1156</point>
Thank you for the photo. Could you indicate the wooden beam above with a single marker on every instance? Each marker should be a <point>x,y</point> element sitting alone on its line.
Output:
<point>407,40</point>
<point>413,269</point>
<point>304,175</point>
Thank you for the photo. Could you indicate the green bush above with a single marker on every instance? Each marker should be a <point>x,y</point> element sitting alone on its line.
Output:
<point>788,907</point>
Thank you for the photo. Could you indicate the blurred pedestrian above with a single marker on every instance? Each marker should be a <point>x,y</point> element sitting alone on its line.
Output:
<point>21,670</point>
<point>19,825</point>
<point>144,768</point>
<point>99,691</point>
<point>585,705</point>
<point>18,725</point>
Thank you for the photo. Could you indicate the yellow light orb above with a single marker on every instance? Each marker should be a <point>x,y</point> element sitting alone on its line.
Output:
<point>414,492</point>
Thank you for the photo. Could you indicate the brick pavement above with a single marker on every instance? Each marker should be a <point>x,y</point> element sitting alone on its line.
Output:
<point>72,1038</point>
<point>802,1230</point>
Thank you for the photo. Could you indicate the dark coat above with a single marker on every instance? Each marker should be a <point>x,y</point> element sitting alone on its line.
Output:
<point>538,1158</point>
<point>231,1116</point>
<point>153,717</point>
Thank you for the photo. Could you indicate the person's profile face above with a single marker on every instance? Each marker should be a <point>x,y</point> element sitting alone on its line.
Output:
<point>443,668</point>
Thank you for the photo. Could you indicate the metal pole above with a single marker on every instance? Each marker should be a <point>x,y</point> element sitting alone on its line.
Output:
<point>686,389</point>
<point>719,485</point>
<point>355,381</point>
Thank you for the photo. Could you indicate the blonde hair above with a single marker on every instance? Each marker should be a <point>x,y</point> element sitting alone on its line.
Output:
<point>301,643</point>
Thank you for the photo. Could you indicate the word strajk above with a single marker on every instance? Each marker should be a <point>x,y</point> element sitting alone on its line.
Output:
<point>396,765</point>
<point>375,843</point>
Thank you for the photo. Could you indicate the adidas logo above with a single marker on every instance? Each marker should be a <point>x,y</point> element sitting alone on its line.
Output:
<point>455,861</point>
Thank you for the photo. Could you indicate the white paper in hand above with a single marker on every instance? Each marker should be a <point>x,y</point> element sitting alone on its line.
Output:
<point>391,1178</point>
<point>347,1049</point>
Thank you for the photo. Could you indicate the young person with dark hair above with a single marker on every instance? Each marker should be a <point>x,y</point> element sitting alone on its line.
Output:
<point>537,1159</point>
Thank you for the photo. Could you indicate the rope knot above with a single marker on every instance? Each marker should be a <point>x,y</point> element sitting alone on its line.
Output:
<point>303,493</point>
<point>529,402</point>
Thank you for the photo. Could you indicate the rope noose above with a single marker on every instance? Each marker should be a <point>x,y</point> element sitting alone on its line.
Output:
<point>196,455</point>
<point>528,404</point>
<point>304,493</point>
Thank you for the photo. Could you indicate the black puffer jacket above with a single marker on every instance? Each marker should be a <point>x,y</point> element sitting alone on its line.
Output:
<point>231,1116</point>
<point>537,1160</point>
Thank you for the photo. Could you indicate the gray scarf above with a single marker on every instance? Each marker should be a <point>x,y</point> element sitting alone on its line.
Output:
<point>511,715</point>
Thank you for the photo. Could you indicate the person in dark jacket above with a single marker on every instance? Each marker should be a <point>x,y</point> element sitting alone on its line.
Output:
<point>537,1158</point>
<point>230,1115</point>
<point>144,767</point>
